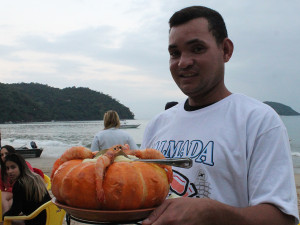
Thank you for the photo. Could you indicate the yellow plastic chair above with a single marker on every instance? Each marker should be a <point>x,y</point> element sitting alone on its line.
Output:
<point>47,181</point>
<point>55,216</point>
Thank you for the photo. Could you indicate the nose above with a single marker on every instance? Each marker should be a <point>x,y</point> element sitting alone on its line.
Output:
<point>185,61</point>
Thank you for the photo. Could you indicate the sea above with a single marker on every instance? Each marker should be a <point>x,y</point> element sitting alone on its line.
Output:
<point>57,136</point>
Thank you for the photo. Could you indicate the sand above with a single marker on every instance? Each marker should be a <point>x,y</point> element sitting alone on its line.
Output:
<point>45,164</point>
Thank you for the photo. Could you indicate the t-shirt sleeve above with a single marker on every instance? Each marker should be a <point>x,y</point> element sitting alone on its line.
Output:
<point>147,134</point>
<point>269,177</point>
<point>132,143</point>
<point>95,146</point>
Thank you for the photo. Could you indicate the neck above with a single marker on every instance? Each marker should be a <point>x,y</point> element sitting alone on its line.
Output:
<point>209,99</point>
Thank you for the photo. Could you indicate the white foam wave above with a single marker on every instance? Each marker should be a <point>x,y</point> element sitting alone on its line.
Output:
<point>297,154</point>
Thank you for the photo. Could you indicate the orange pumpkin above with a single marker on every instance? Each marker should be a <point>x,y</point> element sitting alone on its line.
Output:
<point>126,185</point>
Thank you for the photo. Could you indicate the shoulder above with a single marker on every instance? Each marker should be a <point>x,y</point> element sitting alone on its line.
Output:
<point>101,132</point>
<point>17,187</point>
<point>250,105</point>
<point>256,114</point>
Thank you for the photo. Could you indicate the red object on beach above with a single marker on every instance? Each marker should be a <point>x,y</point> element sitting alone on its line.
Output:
<point>39,172</point>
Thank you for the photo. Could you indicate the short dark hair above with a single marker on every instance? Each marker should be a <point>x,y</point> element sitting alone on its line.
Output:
<point>216,24</point>
<point>9,148</point>
<point>170,105</point>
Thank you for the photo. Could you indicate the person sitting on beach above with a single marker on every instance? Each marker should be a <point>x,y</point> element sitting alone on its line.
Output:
<point>6,184</point>
<point>29,190</point>
<point>111,135</point>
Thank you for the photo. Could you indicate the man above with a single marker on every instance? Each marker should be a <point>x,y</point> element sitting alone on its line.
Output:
<point>242,171</point>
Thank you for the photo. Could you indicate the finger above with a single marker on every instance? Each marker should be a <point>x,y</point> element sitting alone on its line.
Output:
<point>156,213</point>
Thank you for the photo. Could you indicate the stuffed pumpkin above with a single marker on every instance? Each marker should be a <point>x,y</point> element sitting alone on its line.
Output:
<point>79,179</point>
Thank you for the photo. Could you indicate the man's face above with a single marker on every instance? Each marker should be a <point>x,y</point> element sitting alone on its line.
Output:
<point>196,61</point>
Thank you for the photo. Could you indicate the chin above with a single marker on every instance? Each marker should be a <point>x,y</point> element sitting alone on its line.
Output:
<point>188,92</point>
<point>185,89</point>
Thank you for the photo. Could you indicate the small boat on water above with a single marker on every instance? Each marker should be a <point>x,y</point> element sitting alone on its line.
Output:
<point>33,152</point>
<point>124,125</point>
<point>29,152</point>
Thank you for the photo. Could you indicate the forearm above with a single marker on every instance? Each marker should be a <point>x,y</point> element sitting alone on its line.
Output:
<point>263,214</point>
<point>195,211</point>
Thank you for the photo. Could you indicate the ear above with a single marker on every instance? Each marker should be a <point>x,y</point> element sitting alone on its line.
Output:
<point>227,49</point>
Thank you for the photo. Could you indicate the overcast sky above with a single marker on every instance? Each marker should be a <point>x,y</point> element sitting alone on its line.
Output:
<point>119,48</point>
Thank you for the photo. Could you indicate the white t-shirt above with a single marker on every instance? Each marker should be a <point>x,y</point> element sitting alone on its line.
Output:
<point>110,137</point>
<point>240,150</point>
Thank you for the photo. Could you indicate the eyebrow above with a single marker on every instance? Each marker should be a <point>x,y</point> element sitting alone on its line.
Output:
<point>193,41</point>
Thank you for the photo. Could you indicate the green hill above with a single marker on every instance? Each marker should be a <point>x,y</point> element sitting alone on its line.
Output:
<point>282,109</point>
<point>33,102</point>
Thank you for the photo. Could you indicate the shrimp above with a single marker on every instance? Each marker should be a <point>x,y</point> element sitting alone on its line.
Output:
<point>102,163</point>
<point>150,153</point>
<point>77,152</point>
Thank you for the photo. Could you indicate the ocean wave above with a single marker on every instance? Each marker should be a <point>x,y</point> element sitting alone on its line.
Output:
<point>297,154</point>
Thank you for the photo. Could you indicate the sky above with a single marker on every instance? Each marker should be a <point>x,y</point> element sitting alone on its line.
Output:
<point>119,48</point>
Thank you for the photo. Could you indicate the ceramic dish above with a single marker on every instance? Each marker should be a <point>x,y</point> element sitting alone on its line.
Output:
<point>105,215</point>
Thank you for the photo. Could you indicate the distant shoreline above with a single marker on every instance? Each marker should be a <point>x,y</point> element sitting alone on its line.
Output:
<point>70,121</point>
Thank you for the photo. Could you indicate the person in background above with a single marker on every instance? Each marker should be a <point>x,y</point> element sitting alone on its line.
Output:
<point>5,183</point>
<point>242,169</point>
<point>170,105</point>
<point>29,190</point>
<point>111,135</point>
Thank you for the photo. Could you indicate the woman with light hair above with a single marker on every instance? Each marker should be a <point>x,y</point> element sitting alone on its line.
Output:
<point>111,134</point>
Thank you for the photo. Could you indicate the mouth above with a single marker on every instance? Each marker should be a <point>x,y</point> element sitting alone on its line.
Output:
<point>187,75</point>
